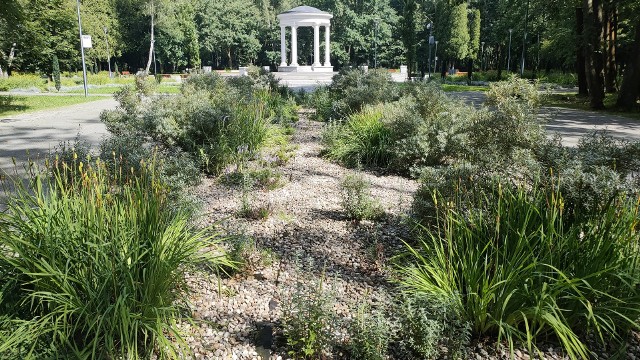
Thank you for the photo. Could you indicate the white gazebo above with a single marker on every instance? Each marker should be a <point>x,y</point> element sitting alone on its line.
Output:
<point>305,16</point>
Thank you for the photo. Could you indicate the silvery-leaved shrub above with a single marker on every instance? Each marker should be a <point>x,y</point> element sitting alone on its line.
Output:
<point>353,89</point>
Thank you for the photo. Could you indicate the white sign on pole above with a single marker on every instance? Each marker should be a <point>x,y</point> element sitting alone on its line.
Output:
<point>86,41</point>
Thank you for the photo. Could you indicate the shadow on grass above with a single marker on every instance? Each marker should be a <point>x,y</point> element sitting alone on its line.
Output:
<point>8,104</point>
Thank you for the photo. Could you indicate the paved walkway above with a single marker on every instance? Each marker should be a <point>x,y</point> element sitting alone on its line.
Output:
<point>34,135</point>
<point>573,124</point>
<point>39,133</point>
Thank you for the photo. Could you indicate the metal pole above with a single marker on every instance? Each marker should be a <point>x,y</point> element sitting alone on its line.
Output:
<point>84,66</point>
<point>524,40</point>
<point>155,69</point>
<point>430,27</point>
<point>509,58</point>
<point>435,58</point>
<point>106,39</point>
<point>375,44</point>
<point>482,56</point>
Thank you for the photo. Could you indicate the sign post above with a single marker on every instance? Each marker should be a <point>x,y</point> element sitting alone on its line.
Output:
<point>83,41</point>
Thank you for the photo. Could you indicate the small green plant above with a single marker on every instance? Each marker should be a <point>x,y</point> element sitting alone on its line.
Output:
<point>309,321</point>
<point>248,256</point>
<point>370,333</point>
<point>356,199</point>
<point>247,208</point>
<point>426,325</point>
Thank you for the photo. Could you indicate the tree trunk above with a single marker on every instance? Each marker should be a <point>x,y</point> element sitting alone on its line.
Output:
<point>580,61</point>
<point>151,46</point>
<point>499,60</point>
<point>611,29</point>
<point>594,62</point>
<point>630,88</point>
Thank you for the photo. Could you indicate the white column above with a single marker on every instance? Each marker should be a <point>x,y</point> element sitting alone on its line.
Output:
<point>283,46</point>
<point>294,46</point>
<point>327,46</point>
<point>316,45</point>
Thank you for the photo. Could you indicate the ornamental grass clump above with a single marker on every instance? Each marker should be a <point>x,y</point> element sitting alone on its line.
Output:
<point>94,268</point>
<point>363,139</point>
<point>519,270</point>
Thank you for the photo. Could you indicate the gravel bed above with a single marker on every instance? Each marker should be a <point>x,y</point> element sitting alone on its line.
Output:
<point>311,238</point>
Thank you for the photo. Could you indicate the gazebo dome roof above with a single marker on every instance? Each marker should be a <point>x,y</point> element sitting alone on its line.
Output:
<point>305,16</point>
<point>305,10</point>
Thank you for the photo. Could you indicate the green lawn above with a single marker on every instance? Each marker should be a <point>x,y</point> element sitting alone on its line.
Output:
<point>456,87</point>
<point>573,101</point>
<point>11,104</point>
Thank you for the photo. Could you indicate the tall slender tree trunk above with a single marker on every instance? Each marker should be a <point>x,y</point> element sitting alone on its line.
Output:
<point>499,60</point>
<point>630,88</point>
<point>151,46</point>
<point>594,57</point>
<point>580,61</point>
<point>611,29</point>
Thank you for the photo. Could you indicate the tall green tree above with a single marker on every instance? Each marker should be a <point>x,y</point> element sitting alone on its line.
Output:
<point>630,87</point>
<point>409,38</point>
<point>458,42</point>
<point>48,27</point>
<point>100,21</point>
<point>474,34</point>
<point>228,31</point>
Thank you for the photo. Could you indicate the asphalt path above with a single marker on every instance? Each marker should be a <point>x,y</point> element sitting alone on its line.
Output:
<point>573,124</point>
<point>34,135</point>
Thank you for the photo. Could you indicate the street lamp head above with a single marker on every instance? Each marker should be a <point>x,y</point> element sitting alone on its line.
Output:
<point>510,30</point>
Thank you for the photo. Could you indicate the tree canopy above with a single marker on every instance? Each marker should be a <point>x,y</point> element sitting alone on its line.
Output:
<point>598,39</point>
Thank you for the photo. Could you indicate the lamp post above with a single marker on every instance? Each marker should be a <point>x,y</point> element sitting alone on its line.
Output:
<point>375,43</point>
<point>509,57</point>
<point>481,55</point>
<point>430,27</point>
<point>84,65</point>
<point>524,40</point>
<point>106,40</point>
<point>435,58</point>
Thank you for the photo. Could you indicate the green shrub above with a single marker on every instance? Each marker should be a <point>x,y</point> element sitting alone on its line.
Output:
<point>214,122</point>
<point>309,321</point>
<point>320,100</point>
<point>363,139</point>
<point>351,90</point>
<point>516,89</point>
<point>562,79</point>
<point>429,128</point>
<point>95,268</point>
<point>370,333</point>
<point>23,81</point>
<point>356,199</point>
<point>517,268</point>
<point>176,169</point>
<point>426,324</point>
<point>247,256</point>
